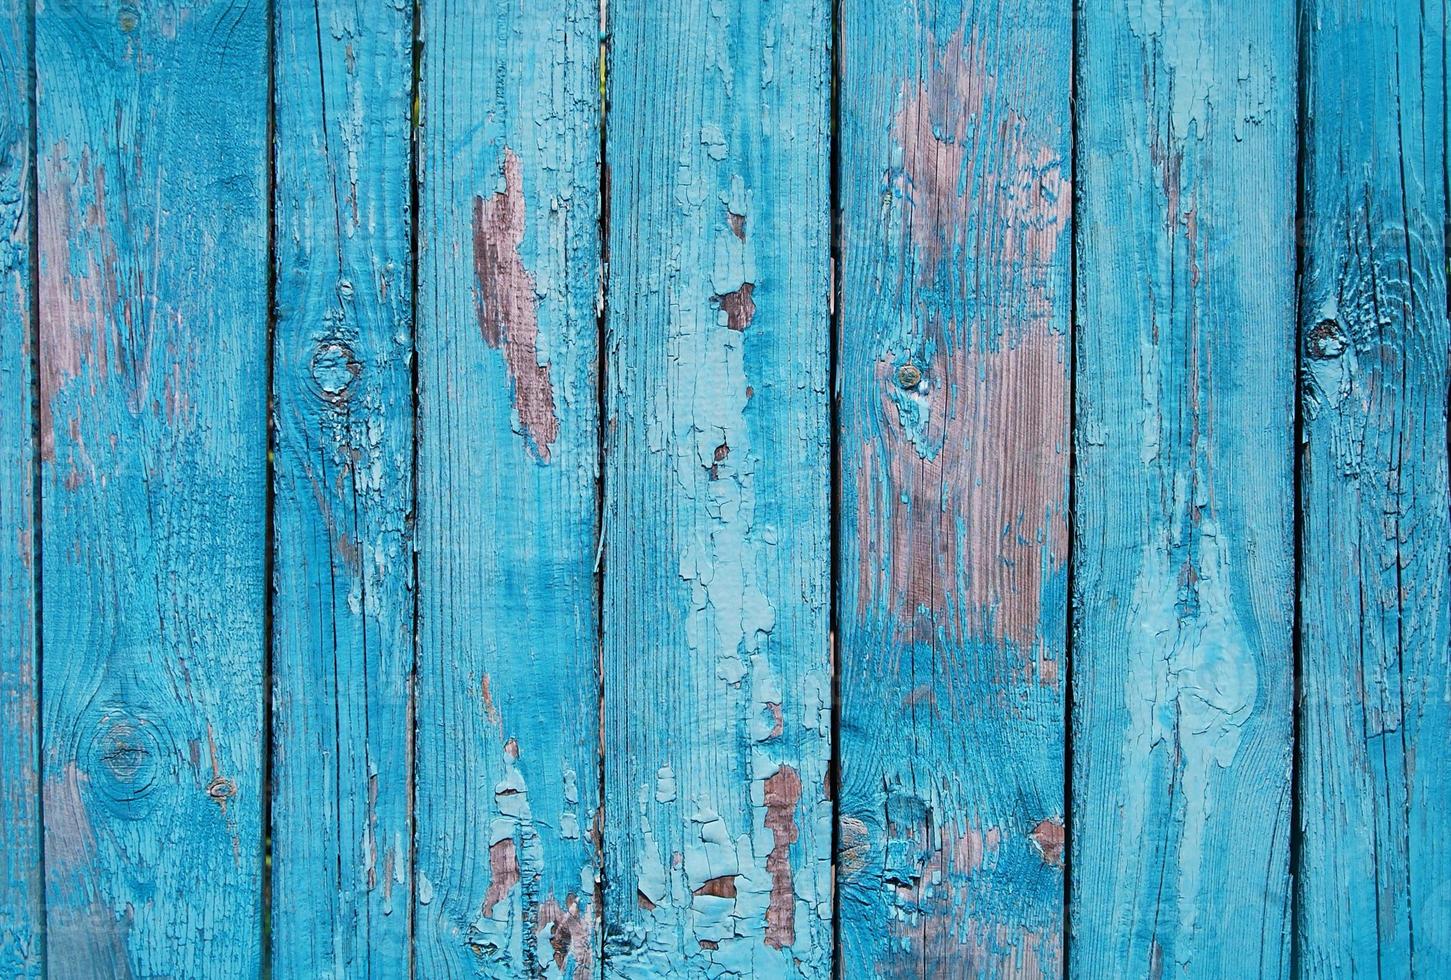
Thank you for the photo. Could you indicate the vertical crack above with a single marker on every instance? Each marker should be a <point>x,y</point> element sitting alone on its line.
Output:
<point>269,536</point>
<point>1070,614</point>
<point>1297,477</point>
<point>601,425</point>
<point>32,201</point>
<point>415,109</point>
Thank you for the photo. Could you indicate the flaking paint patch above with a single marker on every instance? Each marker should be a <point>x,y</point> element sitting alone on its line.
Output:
<point>79,286</point>
<point>507,307</point>
<point>1048,838</point>
<point>783,791</point>
<point>939,921</point>
<point>568,933</point>
<point>503,873</point>
<point>950,546</point>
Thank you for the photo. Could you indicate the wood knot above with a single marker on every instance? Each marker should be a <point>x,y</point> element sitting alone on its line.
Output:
<point>334,369</point>
<point>124,758</point>
<point>221,789</point>
<point>909,376</point>
<point>1326,340</point>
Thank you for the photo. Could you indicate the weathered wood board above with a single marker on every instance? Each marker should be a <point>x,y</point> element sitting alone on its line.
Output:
<point>342,622</point>
<point>22,909</point>
<point>151,133</point>
<point>1374,773</point>
<point>717,681</point>
<point>508,463</point>
<point>953,372</point>
<point>1184,495</point>
<point>724,488</point>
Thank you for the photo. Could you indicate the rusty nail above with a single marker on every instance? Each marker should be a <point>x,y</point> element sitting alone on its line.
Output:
<point>909,376</point>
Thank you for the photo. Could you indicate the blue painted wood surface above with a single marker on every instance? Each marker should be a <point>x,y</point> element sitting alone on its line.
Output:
<point>589,581</point>
<point>342,623</point>
<point>953,373</point>
<point>151,128</point>
<point>508,701</point>
<point>1374,774</point>
<point>1184,555</point>
<point>717,682</point>
<point>22,910</point>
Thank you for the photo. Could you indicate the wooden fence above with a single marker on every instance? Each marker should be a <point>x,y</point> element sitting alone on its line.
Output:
<point>724,488</point>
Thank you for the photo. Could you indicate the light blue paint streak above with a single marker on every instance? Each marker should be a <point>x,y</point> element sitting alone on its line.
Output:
<point>1183,561</point>
<point>717,550</point>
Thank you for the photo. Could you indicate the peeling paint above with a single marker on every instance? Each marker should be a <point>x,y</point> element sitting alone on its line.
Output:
<point>506,306</point>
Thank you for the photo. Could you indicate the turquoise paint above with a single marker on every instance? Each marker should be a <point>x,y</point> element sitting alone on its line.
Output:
<point>342,625</point>
<point>953,371</point>
<point>717,684</point>
<point>22,911</point>
<point>1374,776</point>
<point>508,699</point>
<point>1182,666</point>
<point>151,127</point>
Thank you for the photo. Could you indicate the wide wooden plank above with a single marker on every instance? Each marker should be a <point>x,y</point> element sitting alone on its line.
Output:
<point>508,700</point>
<point>1374,774</point>
<point>717,549</point>
<point>953,371</point>
<point>1184,387</point>
<point>151,129</point>
<point>342,625</point>
<point>21,884</point>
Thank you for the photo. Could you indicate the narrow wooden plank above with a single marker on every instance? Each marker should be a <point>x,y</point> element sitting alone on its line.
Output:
<point>22,910</point>
<point>1182,665</point>
<point>342,627</point>
<point>151,129</point>
<point>953,370</point>
<point>508,733</point>
<point>1375,777</point>
<point>717,556</point>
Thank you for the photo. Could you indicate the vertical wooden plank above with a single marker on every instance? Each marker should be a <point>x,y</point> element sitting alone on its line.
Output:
<point>717,557</point>
<point>1183,561</point>
<point>343,642</point>
<point>1375,778</point>
<point>151,133</point>
<point>508,733</point>
<point>21,886</point>
<point>953,371</point>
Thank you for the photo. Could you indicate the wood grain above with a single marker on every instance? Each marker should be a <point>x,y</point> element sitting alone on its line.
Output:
<point>342,625</point>
<point>151,128</point>
<point>1183,567</point>
<point>717,538</point>
<point>1374,776</point>
<point>953,370</point>
<point>508,702</point>
<point>22,909</point>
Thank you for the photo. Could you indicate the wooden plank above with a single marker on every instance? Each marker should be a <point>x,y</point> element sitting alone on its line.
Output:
<point>22,910</point>
<point>342,627</point>
<point>953,370</point>
<point>151,130</point>
<point>1182,664</point>
<point>717,538</point>
<point>508,704</point>
<point>1374,775</point>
